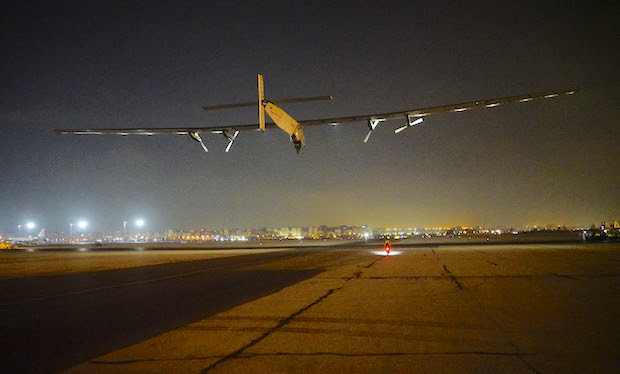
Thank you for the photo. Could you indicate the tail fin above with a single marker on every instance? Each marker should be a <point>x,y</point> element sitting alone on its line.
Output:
<point>261,99</point>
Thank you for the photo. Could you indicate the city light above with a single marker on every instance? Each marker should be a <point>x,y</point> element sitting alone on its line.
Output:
<point>81,231</point>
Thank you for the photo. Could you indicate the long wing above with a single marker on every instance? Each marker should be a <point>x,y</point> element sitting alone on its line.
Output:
<point>160,130</point>
<point>415,116</point>
<point>411,117</point>
<point>230,132</point>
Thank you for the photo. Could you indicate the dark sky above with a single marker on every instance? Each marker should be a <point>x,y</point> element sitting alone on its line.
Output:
<point>86,64</point>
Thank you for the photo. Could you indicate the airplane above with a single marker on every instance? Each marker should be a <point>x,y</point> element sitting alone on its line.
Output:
<point>28,240</point>
<point>294,128</point>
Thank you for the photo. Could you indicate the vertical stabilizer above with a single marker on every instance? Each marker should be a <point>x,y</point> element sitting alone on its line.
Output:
<point>261,99</point>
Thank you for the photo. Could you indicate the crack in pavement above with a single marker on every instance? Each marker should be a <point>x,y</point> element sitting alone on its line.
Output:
<point>338,354</point>
<point>367,321</point>
<point>366,354</point>
<point>240,352</point>
<point>374,262</point>
<point>566,276</point>
<point>499,325</point>
<point>453,278</point>
<point>283,322</point>
<point>347,332</point>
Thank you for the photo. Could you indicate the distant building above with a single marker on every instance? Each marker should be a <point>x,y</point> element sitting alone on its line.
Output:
<point>607,231</point>
<point>313,232</point>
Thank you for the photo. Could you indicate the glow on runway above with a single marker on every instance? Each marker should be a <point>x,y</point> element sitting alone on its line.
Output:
<point>383,253</point>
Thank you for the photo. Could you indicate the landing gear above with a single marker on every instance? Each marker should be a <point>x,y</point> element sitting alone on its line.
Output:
<point>296,142</point>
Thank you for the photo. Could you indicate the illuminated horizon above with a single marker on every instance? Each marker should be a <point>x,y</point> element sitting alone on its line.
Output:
<point>92,65</point>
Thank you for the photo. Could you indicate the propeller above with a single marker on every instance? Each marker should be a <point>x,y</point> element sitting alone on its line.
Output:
<point>408,124</point>
<point>230,137</point>
<point>372,124</point>
<point>196,137</point>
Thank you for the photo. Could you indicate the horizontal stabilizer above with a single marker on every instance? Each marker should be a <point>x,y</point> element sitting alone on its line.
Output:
<point>275,101</point>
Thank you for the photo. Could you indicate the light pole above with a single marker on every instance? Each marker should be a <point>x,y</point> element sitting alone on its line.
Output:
<point>19,228</point>
<point>124,230</point>
<point>70,232</point>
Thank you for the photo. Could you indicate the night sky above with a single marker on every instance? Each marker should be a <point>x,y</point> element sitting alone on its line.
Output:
<point>90,64</point>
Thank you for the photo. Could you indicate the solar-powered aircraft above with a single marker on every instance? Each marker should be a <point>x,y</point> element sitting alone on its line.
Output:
<point>295,128</point>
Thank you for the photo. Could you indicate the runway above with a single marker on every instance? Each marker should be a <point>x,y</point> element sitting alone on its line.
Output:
<point>531,308</point>
<point>50,323</point>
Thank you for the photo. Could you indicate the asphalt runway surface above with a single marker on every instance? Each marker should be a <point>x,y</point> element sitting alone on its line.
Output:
<point>50,323</point>
<point>518,308</point>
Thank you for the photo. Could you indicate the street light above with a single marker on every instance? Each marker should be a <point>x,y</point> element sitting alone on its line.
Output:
<point>139,224</point>
<point>30,225</point>
<point>82,224</point>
